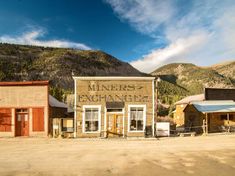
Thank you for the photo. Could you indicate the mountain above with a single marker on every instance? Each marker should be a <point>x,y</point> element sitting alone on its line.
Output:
<point>22,63</point>
<point>190,79</point>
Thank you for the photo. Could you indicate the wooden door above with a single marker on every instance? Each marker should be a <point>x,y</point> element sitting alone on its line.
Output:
<point>114,125</point>
<point>22,125</point>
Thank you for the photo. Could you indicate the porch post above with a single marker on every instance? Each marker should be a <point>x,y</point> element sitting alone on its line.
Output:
<point>228,122</point>
<point>206,123</point>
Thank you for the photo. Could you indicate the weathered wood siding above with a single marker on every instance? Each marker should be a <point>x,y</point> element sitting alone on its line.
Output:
<point>179,115</point>
<point>132,92</point>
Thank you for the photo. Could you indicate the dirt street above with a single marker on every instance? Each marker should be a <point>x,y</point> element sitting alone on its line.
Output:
<point>204,155</point>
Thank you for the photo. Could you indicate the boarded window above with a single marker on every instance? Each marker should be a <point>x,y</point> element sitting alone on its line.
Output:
<point>67,125</point>
<point>38,119</point>
<point>5,120</point>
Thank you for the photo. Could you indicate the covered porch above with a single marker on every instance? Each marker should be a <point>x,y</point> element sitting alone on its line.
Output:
<point>218,116</point>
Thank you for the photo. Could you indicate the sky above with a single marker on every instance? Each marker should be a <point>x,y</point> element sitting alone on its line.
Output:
<point>146,33</point>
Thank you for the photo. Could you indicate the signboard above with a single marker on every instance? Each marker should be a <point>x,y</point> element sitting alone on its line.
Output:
<point>163,129</point>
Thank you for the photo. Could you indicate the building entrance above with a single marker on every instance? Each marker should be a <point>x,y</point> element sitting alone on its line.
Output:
<point>114,125</point>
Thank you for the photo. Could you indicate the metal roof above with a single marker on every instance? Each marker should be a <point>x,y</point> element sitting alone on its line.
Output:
<point>190,99</point>
<point>53,102</point>
<point>215,106</point>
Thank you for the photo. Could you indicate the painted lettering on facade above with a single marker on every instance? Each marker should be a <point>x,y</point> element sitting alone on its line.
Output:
<point>113,92</point>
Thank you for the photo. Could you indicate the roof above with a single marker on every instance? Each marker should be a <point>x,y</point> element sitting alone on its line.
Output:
<point>53,102</point>
<point>215,106</point>
<point>25,83</point>
<point>189,99</point>
<point>114,78</point>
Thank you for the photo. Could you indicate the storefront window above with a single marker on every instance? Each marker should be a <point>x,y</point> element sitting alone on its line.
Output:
<point>91,119</point>
<point>136,119</point>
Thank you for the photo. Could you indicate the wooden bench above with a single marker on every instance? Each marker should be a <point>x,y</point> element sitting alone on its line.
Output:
<point>187,134</point>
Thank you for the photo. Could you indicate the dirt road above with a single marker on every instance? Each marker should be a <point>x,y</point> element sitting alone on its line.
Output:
<point>210,155</point>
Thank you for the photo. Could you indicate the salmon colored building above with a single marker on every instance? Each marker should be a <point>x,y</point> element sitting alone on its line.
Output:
<point>24,108</point>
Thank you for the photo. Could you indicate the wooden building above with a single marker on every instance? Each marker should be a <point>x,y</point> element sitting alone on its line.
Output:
<point>219,94</point>
<point>61,119</point>
<point>114,106</point>
<point>24,108</point>
<point>210,116</point>
<point>179,114</point>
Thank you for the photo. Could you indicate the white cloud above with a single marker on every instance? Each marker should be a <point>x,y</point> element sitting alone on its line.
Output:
<point>33,38</point>
<point>197,32</point>
<point>176,51</point>
<point>145,15</point>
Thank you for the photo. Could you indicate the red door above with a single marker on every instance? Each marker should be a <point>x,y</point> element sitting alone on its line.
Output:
<point>22,124</point>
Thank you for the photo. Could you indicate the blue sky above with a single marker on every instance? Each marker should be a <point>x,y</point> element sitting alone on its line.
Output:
<point>146,33</point>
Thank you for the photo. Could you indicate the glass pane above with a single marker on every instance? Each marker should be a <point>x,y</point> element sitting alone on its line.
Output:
<point>88,116</point>
<point>91,119</point>
<point>140,125</point>
<point>136,118</point>
<point>139,115</point>
<point>95,116</point>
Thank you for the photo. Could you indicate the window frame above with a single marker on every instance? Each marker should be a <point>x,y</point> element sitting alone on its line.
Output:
<point>84,107</point>
<point>129,117</point>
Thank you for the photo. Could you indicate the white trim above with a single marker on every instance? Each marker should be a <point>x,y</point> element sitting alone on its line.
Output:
<point>144,117</point>
<point>113,78</point>
<point>123,122</point>
<point>105,120</point>
<point>83,117</point>
<point>75,109</point>
<point>153,101</point>
<point>119,112</point>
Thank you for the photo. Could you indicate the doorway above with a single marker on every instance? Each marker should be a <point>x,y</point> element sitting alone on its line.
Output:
<point>22,122</point>
<point>114,125</point>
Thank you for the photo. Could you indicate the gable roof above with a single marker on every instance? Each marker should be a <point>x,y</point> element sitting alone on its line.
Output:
<point>215,106</point>
<point>189,99</point>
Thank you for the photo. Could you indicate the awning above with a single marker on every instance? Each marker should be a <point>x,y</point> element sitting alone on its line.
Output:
<point>115,105</point>
<point>215,106</point>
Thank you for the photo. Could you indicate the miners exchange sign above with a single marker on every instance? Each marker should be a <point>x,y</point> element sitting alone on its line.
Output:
<point>110,92</point>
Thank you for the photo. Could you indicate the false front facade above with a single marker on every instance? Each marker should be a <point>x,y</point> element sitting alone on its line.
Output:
<point>114,106</point>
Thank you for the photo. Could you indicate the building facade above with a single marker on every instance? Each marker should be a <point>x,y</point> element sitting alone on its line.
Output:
<point>179,117</point>
<point>24,108</point>
<point>114,106</point>
<point>210,116</point>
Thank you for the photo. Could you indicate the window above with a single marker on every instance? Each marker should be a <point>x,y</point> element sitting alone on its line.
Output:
<point>67,125</point>
<point>91,119</point>
<point>136,118</point>
<point>22,110</point>
<point>5,120</point>
<point>224,117</point>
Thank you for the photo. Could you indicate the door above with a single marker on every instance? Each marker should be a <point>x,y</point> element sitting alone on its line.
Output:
<point>22,124</point>
<point>114,125</point>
